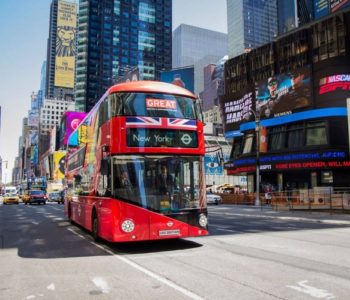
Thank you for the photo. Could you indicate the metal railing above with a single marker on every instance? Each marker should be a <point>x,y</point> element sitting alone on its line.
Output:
<point>326,199</point>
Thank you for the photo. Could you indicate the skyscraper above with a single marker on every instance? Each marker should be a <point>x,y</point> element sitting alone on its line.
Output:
<point>115,36</point>
<point>251,23</point>
<point>292,14</point>
<point>61,50</point>
<point>198,47</point>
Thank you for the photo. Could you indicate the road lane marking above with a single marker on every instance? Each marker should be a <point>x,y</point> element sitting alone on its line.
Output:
<point>51,287</point>
<point>302,287</point>
<point>149,273</point>
<point>101,284</point>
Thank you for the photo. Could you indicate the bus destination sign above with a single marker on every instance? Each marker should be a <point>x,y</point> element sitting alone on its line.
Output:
<point>144,137</point>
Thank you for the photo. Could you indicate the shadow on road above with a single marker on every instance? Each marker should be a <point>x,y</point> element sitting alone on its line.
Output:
<point>43,232</point>
<point>153,246</point>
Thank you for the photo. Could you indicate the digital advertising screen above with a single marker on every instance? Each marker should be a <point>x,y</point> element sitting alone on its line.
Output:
<point>183,77</point>
<point>336,5</point>
<point>237,109</point>
<point>321,8</point>
<point>332,83</point>
<point>283,93</point>
<point>69,123</point>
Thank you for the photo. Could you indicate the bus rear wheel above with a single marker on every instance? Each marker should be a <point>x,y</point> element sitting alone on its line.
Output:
<point>94,230</point>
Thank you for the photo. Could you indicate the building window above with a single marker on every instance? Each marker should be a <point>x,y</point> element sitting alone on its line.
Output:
<point>316,134</point>
<point>248,143</point>
<point>295,136</point>
<point>277,138</point>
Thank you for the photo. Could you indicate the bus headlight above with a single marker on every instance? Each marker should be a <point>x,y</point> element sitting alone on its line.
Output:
<point>203,220</point>
<point>128,226</point>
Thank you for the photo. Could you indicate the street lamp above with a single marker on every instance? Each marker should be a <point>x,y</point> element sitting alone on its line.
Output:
<point>257,136</point>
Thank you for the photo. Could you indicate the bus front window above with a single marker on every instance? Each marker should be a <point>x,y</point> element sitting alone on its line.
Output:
<point>161,183</point>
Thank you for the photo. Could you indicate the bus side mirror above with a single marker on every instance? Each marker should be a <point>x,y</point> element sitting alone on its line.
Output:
<point>104,167</point>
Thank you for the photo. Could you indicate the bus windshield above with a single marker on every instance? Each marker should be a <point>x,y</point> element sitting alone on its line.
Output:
<point>164,184</point>
<point>154,105</point>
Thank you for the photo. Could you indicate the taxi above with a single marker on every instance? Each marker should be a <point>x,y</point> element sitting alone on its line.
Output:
<point>11,198</point>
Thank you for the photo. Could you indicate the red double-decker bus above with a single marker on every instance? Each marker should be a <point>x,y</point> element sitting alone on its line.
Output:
<point>137,172</point>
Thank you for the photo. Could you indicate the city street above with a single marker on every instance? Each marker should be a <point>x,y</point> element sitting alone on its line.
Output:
<point>250,254</point>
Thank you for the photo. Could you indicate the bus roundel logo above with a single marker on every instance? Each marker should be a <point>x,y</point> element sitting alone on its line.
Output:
<point>186,139</point>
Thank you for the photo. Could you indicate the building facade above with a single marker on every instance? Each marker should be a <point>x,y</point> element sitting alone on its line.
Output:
<point>213,84</point>
<point>51,112</point>
<point>286,101</point>
<point>115,36</point>
<point>198,47</point>
<point>61,51</point>
<point>250,24</point>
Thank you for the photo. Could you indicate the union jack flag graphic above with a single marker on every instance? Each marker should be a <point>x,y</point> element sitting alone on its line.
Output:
<point>182,123</point>
<point>142,121</point>
<point>149,122</point>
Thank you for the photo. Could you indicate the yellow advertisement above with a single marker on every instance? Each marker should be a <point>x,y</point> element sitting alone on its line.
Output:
<point>82,134</point>
<point>59,164</point>
<point>65,44</point>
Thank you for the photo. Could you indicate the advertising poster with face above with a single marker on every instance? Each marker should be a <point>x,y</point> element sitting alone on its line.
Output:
<point>283,93</point>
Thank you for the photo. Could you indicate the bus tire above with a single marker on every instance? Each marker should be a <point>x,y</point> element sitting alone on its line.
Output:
<point>94,225</point>
<point>70,213</point>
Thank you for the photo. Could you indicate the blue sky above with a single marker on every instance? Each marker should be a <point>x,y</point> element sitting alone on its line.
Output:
<point>24,27</point>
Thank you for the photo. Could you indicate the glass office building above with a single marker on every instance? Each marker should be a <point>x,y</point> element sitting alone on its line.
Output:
<point>251,23</point>
<point>115,36</point>
<point>198,47</point>
<point>292,14</point>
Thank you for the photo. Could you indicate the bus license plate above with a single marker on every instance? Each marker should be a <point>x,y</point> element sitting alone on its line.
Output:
<point>169,232</point>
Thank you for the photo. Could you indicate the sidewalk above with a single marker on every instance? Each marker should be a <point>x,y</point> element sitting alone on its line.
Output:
<point>313,216</point>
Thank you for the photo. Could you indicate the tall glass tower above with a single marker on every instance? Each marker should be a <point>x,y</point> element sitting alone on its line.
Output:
<point>115,36</point>
<point>251,23</point>
<point>294,13</point>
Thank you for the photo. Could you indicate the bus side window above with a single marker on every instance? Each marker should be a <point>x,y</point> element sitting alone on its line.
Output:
<point>104,181</point>
<point>103,113</point>
<point>116,105</point>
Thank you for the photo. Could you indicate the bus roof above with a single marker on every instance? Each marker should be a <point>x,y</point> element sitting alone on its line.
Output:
<point>150,87</point>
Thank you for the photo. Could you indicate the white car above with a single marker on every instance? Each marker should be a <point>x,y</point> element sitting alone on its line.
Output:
<point>213,198</point>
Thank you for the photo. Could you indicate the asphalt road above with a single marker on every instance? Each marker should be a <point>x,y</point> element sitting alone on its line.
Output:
<point>250,254</point>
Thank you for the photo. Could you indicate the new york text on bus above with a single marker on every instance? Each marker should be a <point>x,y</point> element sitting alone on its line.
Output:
<point>136,171</point>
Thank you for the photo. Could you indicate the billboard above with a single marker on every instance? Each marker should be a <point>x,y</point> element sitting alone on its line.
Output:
<point>65,44</point>
<point>236,109</point>
<point>59,164</point>
<point>332,82</point>
<point>212,165</point>
<point>283,93</point>
<point>321,8</point>
<point>183,77</point>
<point>33,118</point>
<point>69,123</point>
<point>336,5</point>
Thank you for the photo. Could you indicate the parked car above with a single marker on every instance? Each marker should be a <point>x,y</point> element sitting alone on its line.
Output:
<point>10,198</point>
<point>35,196</point>
<point>56,196</point>
<point>213,198</point>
